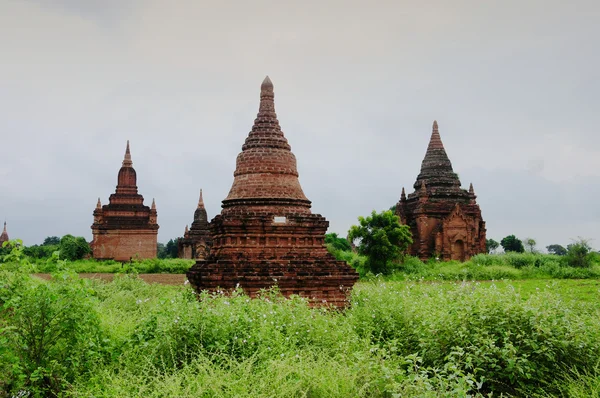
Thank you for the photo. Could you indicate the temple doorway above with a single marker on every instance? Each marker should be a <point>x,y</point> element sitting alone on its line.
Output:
<point>458,250</point>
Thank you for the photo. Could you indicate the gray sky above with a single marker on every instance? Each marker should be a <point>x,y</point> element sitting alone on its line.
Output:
<point>513,84</point>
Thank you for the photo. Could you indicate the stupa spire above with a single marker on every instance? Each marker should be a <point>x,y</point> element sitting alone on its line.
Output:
<point>153,204</point>
<point>471,190</point>
<point>186,230</point>
<point>4,231</point>
<point>127,159</point>
<point>403,195</point>
<point>200,201</point>
<point>436,168</point>
<point>99,204</point>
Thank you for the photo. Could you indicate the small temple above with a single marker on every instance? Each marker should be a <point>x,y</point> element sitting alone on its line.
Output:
<point>266,234</point>
<point>445,220</point>
<point>4,236</point>
<point>125,228</point>
<point>196,240</point>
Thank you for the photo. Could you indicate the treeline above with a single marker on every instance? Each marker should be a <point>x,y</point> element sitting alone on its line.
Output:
<point>382,243</point>
<point>74,248</point>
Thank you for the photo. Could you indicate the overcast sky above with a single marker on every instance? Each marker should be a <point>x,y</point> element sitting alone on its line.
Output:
<point>514,85</point>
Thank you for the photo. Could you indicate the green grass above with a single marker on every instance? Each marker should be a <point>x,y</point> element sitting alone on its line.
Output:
<point>398,338</point>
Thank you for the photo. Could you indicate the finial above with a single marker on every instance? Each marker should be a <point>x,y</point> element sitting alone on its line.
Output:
<point>153,204</point>
<point>98,205</point>
<point>127,159</point>
<point>200,201</point>
<point>186,229</point>
<point>267,84</point>
<point>4,226</point>
<point>403,195</point>
<point>471,190</point>
<point>435,125</point>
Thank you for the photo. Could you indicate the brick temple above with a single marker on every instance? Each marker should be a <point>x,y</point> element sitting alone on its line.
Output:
<point>196,240</point>
<point>125,229</point>
<point>4,236</point>
<point>266,234</point>
<point>445,219</point>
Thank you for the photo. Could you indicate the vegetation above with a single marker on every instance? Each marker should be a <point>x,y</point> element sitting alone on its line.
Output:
<point>511,243</point>
<point>126,338</point>
<point>556,249</point>
<point>491,245</point>
<point>382,239</point>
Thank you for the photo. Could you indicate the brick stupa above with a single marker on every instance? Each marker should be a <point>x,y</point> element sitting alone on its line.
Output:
<point>445,219</point>
<point>125,229</point>
<point>266,234</point>
<point>4,235</point>
<point>196,240</point>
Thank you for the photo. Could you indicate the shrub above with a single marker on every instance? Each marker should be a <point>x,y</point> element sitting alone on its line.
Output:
<point>50,333</point>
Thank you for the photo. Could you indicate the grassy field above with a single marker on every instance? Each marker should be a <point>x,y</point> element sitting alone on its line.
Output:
<point>128,338</point>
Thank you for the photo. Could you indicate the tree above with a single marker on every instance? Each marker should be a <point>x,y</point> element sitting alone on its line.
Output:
<point>161,251</point>
<point>579,254</point>
<point>171,248</point>
<point>51,240</point>
<point>556,249</point>
<point>73,248</point>
<point>491,245</point>
<point>337,243</point>
<point>382,239</point>
<point>511,243</point>
<point>530,243</point>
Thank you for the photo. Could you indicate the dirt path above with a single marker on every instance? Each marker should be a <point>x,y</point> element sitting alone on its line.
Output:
<point>165,279</point>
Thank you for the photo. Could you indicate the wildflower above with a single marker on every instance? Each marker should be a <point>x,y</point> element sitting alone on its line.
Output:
<point>186,282</point>
<point>282,355</point>
<point>138,302</point>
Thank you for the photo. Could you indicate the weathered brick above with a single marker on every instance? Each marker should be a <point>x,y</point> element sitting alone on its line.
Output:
<point>444,219</point>
<point>266,234</point>
<point>125,229</point>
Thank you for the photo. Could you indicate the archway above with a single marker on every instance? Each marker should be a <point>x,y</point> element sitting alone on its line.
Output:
<point>458,250</point>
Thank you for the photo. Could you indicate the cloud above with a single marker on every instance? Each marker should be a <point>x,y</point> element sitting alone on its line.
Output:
<point>357,87</point>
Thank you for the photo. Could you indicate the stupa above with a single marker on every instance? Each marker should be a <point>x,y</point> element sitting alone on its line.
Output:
<point>196,240</point>
<point>445,219</point>
<point>4,235</point>
<point>266,234</point>
<point>125,229</point>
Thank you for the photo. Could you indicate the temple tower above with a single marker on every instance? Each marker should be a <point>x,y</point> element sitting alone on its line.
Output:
<point>266,234</point>
<point>125,229</point>
<point>196,240</point>
<point>4,236</point>
<point>445,219</point>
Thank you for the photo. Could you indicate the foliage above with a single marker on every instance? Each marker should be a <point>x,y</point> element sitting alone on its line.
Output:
<point>382,239</point>
<point>74,248</point>
<point>43,251</point>
<point>530,243</point>
<point>398,339</point>
<point>556,249</point>
<point>511,243</point>
<point>579,254</point>
<point>50,333</point>
<point>170,250</point>
<point>338,243</point>
<point>51,241</point>
<point>491,245</point>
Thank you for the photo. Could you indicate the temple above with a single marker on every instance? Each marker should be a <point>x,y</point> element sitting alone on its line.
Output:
<point>445,220</point>
<point>196,240</point>
<point>125,229</point>
<point>266,234</point>
<point>4,235</point>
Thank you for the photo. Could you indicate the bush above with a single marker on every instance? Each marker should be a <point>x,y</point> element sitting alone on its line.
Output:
<point>73,248</point>
<point>578,255</point>
<point>50,333</point>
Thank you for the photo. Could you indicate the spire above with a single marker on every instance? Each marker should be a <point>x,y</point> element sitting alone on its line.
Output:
<point>200,201</point>
<point>186,230</point>
<point>98,205</point>
<point>436,168</point>
<point>4,228</point>
<point>153,204</point>
<point>471,190</point>
<point>436,141</point>
<point>403,195</point>
<point>127,160</point>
